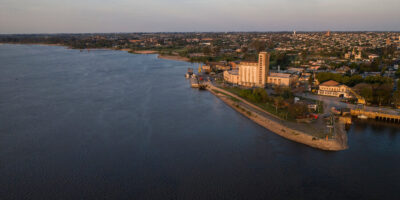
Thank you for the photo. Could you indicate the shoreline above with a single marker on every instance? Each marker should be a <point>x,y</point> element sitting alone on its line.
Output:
<point>176,58</point>
<point>338,144</point>
<point>144,52</point>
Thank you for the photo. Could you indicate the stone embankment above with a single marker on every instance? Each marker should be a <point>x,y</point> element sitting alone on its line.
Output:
<point>277,126</point>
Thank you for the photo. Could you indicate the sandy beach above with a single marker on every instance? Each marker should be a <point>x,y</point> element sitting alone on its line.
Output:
<point>178,58</point>
<point>146,52</point>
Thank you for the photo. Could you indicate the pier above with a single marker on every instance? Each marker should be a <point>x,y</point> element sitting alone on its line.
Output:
<point>376,115</point>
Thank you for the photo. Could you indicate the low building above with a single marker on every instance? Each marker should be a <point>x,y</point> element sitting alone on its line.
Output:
<point>295,70</point>
<point>334,89</point>
<point>282,79</point>
<point>223,67</point>
<point>232,76</point>
<point>206,68</point>
<point>305,77</point>
<point>373,56</point>
<point>343,69</point>
<point>347,55</point>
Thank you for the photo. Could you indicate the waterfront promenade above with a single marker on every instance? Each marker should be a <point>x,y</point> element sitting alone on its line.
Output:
<point>335,102</point>
<point>302,133</point>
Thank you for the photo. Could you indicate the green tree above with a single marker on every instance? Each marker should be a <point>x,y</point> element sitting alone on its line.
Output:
<point>258,45</point>
<point>311,80</point>
<point>366,91</point>
<point>278,102</point>
<point>297,109</point>
<point>207,50</point>
<point>262,94</point>
<point>396,98</point>
<point>383,93</point>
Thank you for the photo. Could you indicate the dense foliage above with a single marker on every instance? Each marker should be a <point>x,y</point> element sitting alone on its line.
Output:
<point>352,80</point>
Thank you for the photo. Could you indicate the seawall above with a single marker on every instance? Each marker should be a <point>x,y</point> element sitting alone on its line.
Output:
<point>273,125</point>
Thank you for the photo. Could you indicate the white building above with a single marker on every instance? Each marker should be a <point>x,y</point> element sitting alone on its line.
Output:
<point>232,76</point>
<point>335,89</point>
<point>251,74</point>
<point>282,79</point>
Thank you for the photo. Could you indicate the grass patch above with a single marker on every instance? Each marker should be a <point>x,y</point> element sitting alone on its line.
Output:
<point>231,97</point>
<point>282,113</point>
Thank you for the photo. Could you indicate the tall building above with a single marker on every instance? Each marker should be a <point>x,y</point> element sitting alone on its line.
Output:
<point>254,74</point>
<point>328,33</point>
<point>251,74</point>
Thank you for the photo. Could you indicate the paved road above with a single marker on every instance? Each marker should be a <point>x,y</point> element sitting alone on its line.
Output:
<point>335,101</point>
<point>315,129</point>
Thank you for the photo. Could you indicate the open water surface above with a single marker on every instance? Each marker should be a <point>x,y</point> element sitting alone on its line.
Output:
<point>113,125</point>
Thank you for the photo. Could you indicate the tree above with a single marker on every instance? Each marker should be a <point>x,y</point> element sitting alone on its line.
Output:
<point>278,102</point>
<point>278,90</point>
<point>366,91</point>
<point>311,80</point>
<point>287,93</point>
<point>262,94</point>
<point>383,93</point>
<point>396,98</point>
<point>258,45</point>
<point>297,109</point>
<point>244,49</point>
<point>354,80</point>
<point>207,50</point>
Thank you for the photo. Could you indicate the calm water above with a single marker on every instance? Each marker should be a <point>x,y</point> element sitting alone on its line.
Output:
<point>112,125</point>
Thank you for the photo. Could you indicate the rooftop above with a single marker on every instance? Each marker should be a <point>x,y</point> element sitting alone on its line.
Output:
<point>234,72</point>
<point>280,75</point>
<point>249,63</point>
<point>330,83</point>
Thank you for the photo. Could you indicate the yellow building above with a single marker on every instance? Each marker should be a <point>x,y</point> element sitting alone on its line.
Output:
<point>206,68</point>
<point>282,79</point>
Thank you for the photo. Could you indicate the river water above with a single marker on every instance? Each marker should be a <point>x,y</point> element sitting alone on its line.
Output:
<point>113,125</point>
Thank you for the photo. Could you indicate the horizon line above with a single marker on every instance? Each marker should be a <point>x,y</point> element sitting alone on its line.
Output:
<point>141,32</point>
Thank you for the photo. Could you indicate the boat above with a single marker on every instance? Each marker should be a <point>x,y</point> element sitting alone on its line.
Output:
<point>194,83</point>
<point>362,117</point>
<point>189,73</point>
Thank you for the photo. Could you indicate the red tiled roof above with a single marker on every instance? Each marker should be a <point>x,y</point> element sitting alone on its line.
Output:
<point>330,83</point>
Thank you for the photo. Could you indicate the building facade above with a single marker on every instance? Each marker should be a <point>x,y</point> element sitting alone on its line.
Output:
<point>334,89</point>
<point>250,74</point>
<point>232,76</point>
<point>282,79</point>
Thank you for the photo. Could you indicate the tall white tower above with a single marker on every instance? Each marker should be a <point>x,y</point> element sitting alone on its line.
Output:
<point>263,68</point>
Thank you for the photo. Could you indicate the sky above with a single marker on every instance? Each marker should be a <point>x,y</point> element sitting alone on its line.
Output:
<point>109,16</point>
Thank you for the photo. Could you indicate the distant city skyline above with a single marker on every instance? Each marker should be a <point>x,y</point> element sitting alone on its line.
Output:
<point>95,16</point>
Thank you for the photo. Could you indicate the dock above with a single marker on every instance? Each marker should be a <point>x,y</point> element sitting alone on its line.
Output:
<point>376,115</point>
<point>194,83</point>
